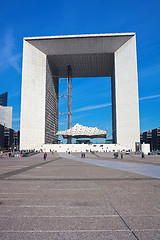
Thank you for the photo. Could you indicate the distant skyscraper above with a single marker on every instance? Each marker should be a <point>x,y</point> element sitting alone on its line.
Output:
<point>3,99</point>
<point>1,136</point>
<point>152,137</point>
<point>6,116</point>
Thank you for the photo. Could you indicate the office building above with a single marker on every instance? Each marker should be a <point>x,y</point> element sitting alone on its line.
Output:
<point>156,139</point>
<point>3,99</point>
<point>1,136</point>
<point>16,139</point>
<point>6,116</point>
<point>8,138</point>
<point>151,137</point>
<point>46,59</point>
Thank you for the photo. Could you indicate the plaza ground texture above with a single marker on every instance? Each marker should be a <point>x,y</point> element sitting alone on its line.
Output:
<point>66,197</point>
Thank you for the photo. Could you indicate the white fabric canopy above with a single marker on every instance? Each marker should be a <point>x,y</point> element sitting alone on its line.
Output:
<point>80,131</point>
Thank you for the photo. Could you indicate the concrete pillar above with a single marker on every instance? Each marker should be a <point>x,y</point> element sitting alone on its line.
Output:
<point>51,105</point>
<point>125,105</point>
<point>33,97</point>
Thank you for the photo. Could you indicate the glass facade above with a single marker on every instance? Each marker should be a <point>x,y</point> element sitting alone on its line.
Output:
<point>3,99</point>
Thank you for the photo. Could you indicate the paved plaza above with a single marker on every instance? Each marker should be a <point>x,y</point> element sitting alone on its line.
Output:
<point>67,197</point>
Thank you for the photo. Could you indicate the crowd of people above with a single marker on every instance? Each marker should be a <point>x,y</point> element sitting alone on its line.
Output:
<point>115,154</point>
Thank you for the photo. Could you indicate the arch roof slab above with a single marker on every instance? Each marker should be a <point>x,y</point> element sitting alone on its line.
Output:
<point>89,55</point>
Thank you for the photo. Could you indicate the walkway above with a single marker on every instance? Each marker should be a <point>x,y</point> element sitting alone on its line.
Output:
<point>142,169</point>
<point>64,199</point>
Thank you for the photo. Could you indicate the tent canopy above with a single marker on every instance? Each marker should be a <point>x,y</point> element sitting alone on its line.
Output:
<point>80,131</point>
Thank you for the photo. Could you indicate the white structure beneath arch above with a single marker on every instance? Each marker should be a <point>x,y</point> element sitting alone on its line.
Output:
<point>82,148</point>
<point>80,131</point>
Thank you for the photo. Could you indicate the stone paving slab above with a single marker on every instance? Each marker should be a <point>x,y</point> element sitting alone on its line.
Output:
<point>142,169</point>
<point>80,201</point>
<point>68,235</point>
<point>79,172</point>
<point>143,223</point>
<point>148,235</point>
<point>66,199</point>
<point>61,224</point>
<point>151,159</point>
<point>132,158</point>
<point>46,185</point>
<point>57,211</point>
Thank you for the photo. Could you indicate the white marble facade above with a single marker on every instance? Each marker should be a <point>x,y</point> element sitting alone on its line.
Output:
<point>45,60</point>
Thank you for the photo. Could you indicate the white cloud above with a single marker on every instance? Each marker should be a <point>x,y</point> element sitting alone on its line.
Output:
<point>8,56</point>
<point>149,71</point>
<point>14,94</point>
<point>16,119</point>
<point>92,107</point>
<point>149,97</point>
<point>76,118</point>
<point>62,123</point>
<point>109,104</point>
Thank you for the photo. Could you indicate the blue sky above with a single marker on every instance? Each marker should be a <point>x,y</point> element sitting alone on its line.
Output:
<point>20,19</point>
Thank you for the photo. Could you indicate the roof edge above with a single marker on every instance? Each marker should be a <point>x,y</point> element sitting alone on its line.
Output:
<point>80,36</point>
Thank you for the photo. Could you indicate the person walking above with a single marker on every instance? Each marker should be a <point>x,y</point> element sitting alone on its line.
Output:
<point>115,155</point>
<point>121,155</point>
<point>142,155</point>
<point>45,156</point>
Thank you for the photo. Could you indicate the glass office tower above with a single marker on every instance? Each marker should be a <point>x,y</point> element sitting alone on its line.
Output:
<point>3,99</point>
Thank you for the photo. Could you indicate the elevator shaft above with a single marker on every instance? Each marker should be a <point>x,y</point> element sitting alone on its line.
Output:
<point>69,101</point>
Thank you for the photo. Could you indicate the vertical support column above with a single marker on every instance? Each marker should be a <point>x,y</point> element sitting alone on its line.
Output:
<point>114,126</point>
<point>33,97</point>
<point>51,108</point>
<point>125,96</point>
<point>69,102</point>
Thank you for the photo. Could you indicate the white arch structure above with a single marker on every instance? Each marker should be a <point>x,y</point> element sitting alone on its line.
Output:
<point>45,60</point>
